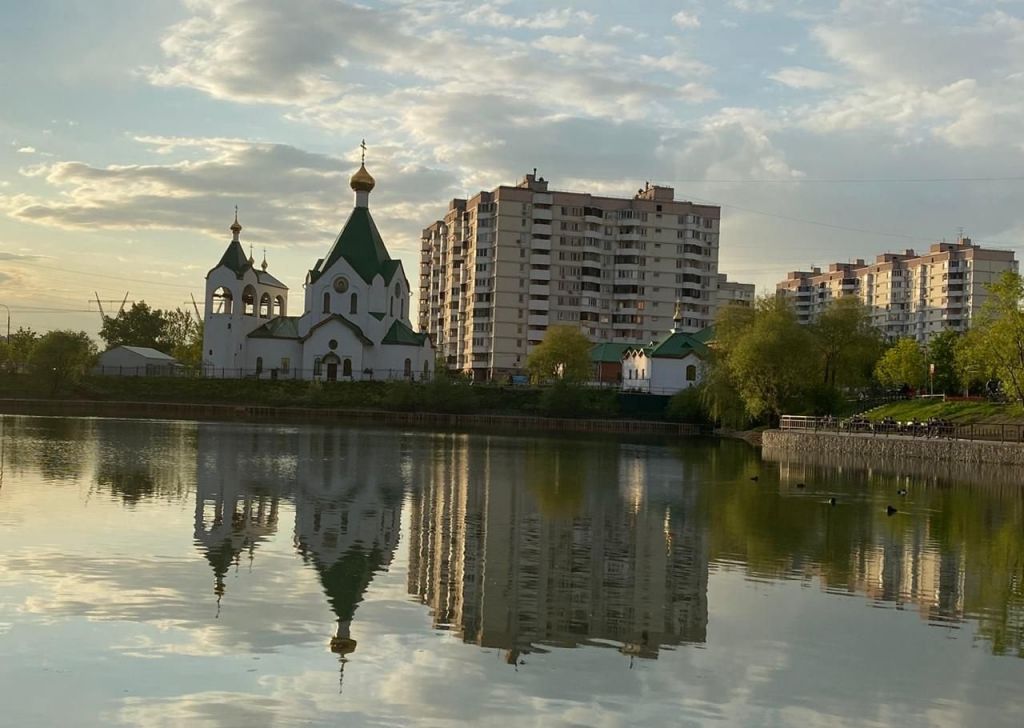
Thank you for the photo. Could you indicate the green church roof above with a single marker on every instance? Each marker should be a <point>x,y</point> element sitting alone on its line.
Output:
<point>360,244</point>
<point>610,353</point>
<point>400,334</point>
<point>677,346</point>
<point>234,259</point>
<point>282,327</point>
<point>353,327</point>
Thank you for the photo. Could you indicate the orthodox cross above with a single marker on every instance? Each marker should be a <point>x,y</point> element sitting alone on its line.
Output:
<point>362,146</point>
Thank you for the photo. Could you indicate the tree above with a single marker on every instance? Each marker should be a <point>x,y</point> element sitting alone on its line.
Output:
<point>138,326</point>
<point>563,354</point>
<point>847,344</point>
<point>942,355</point>
<point>903,363</point>
<point>994,345</point>
<point>61,358</point>
<point>17,352</point>
<point>183,335</point>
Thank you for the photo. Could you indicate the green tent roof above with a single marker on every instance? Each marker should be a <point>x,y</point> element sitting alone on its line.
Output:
<point>352,326</point>
<point>676,346</point>
<point>705,335</point>
<point>234,259</point>
<point>360,244</point>
<point>400,334</point>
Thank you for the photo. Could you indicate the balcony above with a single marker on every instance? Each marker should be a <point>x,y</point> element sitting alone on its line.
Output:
<point>541,214</point>
<point>537,259</point>
<point>540,306</point>
<point>535,320</point>
<point>541,229</point>
<point>539,276</point>
<point>539,289</point>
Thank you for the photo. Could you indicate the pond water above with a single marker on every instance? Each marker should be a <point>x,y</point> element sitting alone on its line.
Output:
<point>159,573</point>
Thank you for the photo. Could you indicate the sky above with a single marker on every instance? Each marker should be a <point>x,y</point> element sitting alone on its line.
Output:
<point>828,131</point>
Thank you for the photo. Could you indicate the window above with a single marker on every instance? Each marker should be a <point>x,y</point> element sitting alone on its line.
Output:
<point>346,368</point>
<point>353,306</point>
<point>426,369</point>
<point>222,300</point>
<point>392,311</point>
<point>691,373</point>
<point>286,364</point>
<point>259,364</point>
<point>317,367</point>
<point>249,301</point>
<point>408,368</point>
<point>327,301</point>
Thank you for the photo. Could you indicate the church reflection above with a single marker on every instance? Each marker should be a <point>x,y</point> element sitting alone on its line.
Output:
<point>519,551</point>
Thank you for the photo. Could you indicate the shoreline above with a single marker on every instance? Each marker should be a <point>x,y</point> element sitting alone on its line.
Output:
<point>324,415</point>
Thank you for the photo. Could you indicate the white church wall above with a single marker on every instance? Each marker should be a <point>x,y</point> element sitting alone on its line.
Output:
<point>263,356</point>
<point>636,372</point>
<point>668,376</point>
<point>349,346</point>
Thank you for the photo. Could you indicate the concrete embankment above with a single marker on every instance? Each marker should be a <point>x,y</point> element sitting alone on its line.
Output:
<point>779,443</point>
<point>253,413</point>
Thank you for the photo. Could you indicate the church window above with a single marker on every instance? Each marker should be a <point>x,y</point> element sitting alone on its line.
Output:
<point>408,368</point>
<point>353,306</point>
<point>332,344</point>
<point>286,364</point>
<point>317,367</point>
<point>341,284</point>
<point>426,369</point>
<point>259,364</point>
<point>346,368</point>
<point>265,305</point>
<point>222,301</point>
<point>398,289</point>
<point>691,373</point>
<point>327,301</point>
<point>279,306</point>
<point>249,301</point>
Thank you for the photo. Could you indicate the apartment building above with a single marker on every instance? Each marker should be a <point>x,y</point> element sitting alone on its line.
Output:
<point>504,265</point>
<point>733,292</point>
<point>909,294</point>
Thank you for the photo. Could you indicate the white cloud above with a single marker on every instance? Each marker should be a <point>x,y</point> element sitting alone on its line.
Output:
<point>802,78</point>
<point>556,19</point>
<point>26,150</point>
<point>686,20</point>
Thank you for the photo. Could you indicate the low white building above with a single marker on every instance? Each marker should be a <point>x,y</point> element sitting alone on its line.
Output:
<point>669,365</point>
<point>356,319</point>
<point>136,361</point>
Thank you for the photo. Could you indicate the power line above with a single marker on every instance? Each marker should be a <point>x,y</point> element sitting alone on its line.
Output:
<point>850,180</point>
<point>105,275</point>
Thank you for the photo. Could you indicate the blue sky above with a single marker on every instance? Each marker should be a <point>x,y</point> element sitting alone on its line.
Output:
<point>827,130</point>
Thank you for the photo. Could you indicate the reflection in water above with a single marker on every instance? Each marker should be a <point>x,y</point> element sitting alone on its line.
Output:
<point>512,550</point>
<point>520,546</point>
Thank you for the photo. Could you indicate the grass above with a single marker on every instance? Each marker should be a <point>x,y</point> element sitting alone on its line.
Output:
<point>960,412</point>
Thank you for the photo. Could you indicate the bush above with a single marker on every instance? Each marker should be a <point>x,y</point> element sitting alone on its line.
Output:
<point>567,400</point>
<point>687,406</point>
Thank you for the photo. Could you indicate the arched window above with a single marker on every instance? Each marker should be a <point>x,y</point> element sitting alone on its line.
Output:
<point>265,305</point>
<point>691,373</point>
<point>222,301</point>
<point>353,304</point>
<point>259,365</point>
<point>279,306</point>
<point>249,301</point>
<point>317,367</point>
<point>346,368</point>
<point>327,301</point>
<point>408,368</point>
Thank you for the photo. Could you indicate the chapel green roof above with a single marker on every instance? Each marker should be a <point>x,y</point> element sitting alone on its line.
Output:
<point>678,345</point>
<point>705,335</point>
<point>235,259</point>
<point>353,327</point>
<point>282,327</point>
<point>360,244</point>
<point>400,334</point>
<point>609,353</point>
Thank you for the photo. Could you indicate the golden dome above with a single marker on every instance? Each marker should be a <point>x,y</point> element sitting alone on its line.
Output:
<point>362,181</point>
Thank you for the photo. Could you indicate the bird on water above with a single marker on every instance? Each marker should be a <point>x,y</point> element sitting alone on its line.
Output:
<point>901,491</point>
<point>754,478</point>
<point>889,510</point>
<point>831,501</point>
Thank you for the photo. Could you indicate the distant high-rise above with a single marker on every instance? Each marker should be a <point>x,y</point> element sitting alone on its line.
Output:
<point>504,265</point>
<point>909,294</point>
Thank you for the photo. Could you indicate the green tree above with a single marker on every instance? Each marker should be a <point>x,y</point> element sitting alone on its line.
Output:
<point>61,358</point>
<point>183,335</point>
<point>994,345</point>
<point>138,326</point>
<point>942,355</point>
<point>847,344</point>
<point>903,363</point>
<point>16,353</point>
<point>564,355</point>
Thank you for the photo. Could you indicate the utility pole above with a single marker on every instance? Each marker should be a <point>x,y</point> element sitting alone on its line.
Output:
<point>99,304</point>
<point>8,323</point>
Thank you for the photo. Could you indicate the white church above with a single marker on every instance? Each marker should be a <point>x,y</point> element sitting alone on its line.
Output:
<point>355,324</point>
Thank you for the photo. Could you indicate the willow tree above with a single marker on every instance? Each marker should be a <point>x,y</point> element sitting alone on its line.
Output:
<point>846,343</point>
<point>994,345</point>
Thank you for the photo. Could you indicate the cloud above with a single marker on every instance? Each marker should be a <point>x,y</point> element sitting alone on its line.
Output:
<point>556,19</point>
<point>802,78</point>
<point>686,20</point>
<point>26,150</point>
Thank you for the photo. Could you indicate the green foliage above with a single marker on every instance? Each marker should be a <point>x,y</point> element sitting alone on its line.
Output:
<point>563,399</point>
<point>687,405</point>
<point>62,358</point>
<point>994,345</point>
<point>183,334</point>
<point>942,354</point>
<point>846,342</point>
<point>16,353</point>
<point>903,363</point>
<point>564,355</point>
<point>138,326</point>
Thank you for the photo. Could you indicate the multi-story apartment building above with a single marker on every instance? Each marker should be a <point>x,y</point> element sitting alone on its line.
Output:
<point>504,265</point>
<point>733,292</point>
<point>908,294</point>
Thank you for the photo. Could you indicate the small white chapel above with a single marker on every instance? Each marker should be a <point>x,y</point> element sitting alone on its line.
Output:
<point>355,324</point>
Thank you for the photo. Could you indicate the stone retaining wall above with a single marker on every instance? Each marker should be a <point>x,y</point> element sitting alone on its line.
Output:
<point>789,442</point>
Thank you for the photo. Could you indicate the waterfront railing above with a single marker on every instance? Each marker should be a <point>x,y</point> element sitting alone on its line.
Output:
<point>990,432</point>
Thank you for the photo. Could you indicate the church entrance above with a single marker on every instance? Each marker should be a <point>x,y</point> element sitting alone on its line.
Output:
<point>331,362</point>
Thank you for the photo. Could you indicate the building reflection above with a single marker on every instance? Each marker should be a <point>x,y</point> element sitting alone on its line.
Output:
<point>520,549</point>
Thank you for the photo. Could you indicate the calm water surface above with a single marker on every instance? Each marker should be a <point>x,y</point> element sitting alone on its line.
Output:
<point>173,573</point>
